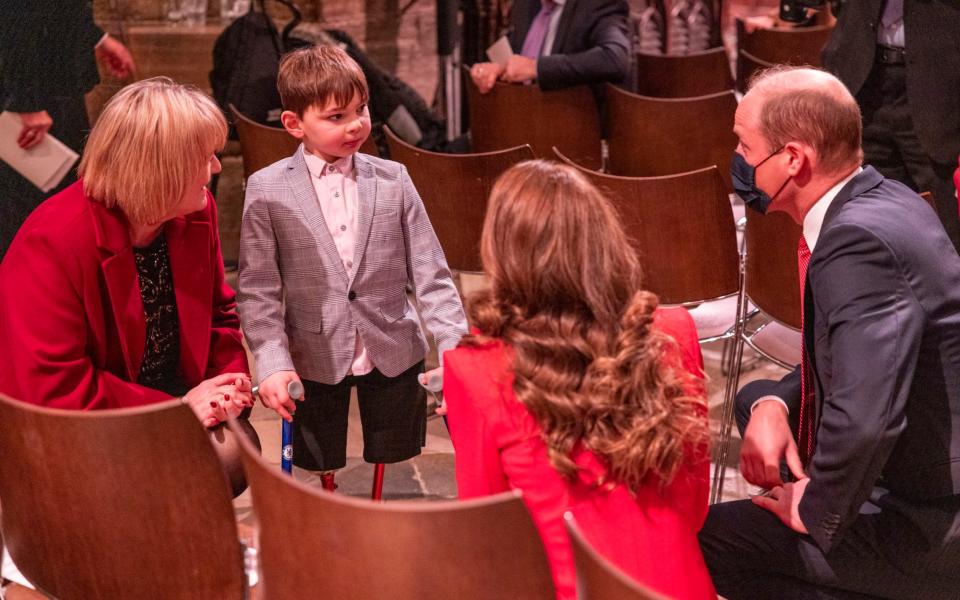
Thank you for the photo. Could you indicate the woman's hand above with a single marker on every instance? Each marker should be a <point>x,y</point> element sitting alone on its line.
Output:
<point>217,398</point>
<point>273,393</point>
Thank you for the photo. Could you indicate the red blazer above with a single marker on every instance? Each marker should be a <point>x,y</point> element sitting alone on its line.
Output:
<point>652,536</point>
<point>72,328</point>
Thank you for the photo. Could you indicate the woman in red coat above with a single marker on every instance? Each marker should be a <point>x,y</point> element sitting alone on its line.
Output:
<point>575,389</point>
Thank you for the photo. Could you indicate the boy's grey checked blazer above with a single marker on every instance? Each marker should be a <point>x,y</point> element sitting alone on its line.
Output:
<point>299,308</point>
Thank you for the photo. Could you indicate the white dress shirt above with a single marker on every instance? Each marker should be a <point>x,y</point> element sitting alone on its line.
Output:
<point>335,185</point>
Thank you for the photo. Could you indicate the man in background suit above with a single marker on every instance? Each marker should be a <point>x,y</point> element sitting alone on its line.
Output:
<point>48,61</point>
<point>875,508</point>
<point>901,59</point>
<point>562,44</point>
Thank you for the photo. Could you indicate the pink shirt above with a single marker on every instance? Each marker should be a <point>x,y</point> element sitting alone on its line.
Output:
<point>335,185</point>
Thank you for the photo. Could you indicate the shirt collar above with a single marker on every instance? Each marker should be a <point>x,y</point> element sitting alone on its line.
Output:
<point>319,167</point>
<point>813,222</point>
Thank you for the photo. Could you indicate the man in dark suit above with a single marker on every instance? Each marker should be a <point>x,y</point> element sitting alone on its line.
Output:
<point>48,54</point>
<point>875,506</point>
<point>562,44</point>
<point>901,59</point>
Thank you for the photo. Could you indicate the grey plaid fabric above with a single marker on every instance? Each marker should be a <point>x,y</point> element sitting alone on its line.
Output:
<point>295,296</point>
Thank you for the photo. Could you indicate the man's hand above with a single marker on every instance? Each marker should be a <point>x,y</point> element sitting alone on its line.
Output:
<point>766,441</point>
<point>485,75</point>
<point>520,69</point>
<point>35,127</point>
<point>273,393</point>
<point>784,502</point>
<point>115,57</point>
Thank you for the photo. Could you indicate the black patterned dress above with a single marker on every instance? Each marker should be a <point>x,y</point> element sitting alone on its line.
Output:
<point>160,368</point>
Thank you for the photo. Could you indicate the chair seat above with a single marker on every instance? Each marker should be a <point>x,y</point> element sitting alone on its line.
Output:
<point>778,341</point>
<point>715,318</point>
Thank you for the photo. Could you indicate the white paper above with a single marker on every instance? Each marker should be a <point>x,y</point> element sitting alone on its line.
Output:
<point>45,165</point>
<point>500,52</point>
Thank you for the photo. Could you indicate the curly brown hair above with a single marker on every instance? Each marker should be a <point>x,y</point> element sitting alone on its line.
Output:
<point>565,295</point>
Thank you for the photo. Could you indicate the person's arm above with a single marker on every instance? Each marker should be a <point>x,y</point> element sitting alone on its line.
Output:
<point>261,286</point>
<point>478,469</point>
<point>874,326</point>
<point>606,59</point>
<point>427,271</point>
<point>44,335</point>
<point>227,354</point>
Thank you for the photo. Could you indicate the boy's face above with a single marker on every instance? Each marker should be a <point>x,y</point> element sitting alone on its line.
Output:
<point>330,131</point>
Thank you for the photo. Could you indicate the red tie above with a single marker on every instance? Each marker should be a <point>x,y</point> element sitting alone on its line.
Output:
<point>805,425</point>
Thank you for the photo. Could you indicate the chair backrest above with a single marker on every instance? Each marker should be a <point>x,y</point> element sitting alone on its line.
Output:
<point>597,577</point>
<point>682,229</point>
<point>785,45</point>
<point>772,278</point>
<point>455,189</point>
<point>747,65</point>
<point>261,146</point>
<point>322,545</point>
<point>512,115</point>
<point>683,75</point>
<point>127,503</point>
<point>664,136</point>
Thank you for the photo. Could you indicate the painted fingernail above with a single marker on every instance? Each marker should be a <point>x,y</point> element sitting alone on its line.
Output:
<point>226,396</point>
<point>213,404</point>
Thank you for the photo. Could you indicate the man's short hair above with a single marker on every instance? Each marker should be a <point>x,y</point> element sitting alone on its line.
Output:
<point>312,76</point>
<point>152,139</point>
<point>810,106</point>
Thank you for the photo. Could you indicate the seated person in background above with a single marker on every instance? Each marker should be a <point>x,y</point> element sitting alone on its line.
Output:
<point>577,390</point>
<point>562,44</point>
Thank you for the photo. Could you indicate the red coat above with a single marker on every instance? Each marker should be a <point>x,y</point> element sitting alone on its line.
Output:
<point>72,327</point>
<point>652,536</point>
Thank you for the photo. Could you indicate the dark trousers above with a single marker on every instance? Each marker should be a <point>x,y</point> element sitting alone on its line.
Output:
<point>393,414</point>
<point>18,197</point>
<point>892,147</point>
<point>892,550</point>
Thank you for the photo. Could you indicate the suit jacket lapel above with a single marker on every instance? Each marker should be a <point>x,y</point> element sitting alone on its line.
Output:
<point>563,27</point>
<point>521,22</point>
<point>366,205</point>
<point>298,177</point>
<point>864,181</point>
<point>193,278</point>
<point>123,285</point>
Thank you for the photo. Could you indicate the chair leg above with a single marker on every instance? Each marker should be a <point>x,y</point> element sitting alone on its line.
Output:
<point>377,482</point>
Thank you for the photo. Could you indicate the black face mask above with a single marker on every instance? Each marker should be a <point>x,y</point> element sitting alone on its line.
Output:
<point>744,182</point>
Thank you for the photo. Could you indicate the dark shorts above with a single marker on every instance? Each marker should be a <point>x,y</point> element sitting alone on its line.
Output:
<point>393,413</point>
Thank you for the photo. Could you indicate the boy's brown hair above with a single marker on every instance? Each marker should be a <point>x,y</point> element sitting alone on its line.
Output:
<point>312,76</point>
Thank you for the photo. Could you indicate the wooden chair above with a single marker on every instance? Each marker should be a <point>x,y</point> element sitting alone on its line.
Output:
<point>664,136</point>
<point>747,66</point>
<point>455,189</point>
<point>683,76</point>
<point>261,146</point>
<point>785,45</point>
<point>512,115</point>
<point>321,545</point>
<point>772,285</point>
<point>597,577</point>
<point>111,504</point>
<point>682,229</point>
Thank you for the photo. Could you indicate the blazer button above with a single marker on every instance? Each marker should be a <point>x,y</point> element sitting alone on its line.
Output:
<point>351,296</point>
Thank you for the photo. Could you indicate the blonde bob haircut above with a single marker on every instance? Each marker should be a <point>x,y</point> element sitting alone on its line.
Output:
<point>151,140</point>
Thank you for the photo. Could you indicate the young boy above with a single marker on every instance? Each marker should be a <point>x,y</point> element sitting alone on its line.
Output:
<point>330,241</point>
